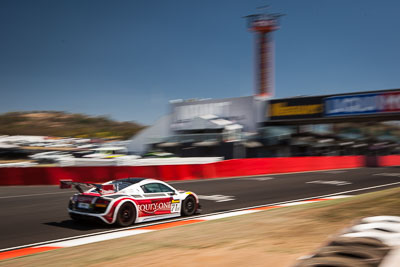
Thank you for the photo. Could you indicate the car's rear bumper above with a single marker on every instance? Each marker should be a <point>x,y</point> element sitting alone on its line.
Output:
<point>87,216</point>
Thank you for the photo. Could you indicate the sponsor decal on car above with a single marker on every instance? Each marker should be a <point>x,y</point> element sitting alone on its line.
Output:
<point>153,208</point>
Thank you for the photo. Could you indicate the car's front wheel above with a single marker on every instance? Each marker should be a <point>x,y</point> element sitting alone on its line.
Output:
<point>188,206</point>
<point>126,215</point>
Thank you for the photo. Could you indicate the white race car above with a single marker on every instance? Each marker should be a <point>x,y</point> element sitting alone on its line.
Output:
<point>130,200</point>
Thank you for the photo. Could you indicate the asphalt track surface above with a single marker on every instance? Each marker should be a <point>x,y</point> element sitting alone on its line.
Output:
<point>32,214</point>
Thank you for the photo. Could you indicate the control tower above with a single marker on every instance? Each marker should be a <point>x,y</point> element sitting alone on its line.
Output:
<point>263,25</point>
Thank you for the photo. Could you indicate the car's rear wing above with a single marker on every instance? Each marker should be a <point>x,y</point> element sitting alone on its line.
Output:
<point>100,188</point>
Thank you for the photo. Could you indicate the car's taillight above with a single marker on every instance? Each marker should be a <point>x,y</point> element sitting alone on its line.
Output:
<point>102,203</point>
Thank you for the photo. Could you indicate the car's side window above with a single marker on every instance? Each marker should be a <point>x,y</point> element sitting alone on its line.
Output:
<point>165,188</point>
<point>156,188</point>
<point>151,188</point>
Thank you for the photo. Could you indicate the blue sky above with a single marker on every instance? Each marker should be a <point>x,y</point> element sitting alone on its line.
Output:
<point>127,58</point>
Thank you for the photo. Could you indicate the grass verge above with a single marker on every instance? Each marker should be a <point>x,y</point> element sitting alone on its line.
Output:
<point>269,238</point>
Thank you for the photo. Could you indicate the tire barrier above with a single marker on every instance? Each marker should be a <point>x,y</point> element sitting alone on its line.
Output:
<point>374,241</point>
<point>221,169</point>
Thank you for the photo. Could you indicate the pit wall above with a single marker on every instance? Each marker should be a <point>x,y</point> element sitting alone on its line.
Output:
<point>227,168</point>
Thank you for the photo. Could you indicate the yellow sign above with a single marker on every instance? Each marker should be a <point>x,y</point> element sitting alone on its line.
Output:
<point>282,109</point>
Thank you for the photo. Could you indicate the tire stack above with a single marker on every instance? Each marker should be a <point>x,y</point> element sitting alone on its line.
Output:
<point>374,241</point>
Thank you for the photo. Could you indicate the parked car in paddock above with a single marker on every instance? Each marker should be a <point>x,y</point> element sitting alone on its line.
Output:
<point>129,200</point>
<point>50,156</point>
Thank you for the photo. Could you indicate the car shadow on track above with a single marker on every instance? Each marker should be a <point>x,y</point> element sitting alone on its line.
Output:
<point>87,225</point>
<point>80,226</point>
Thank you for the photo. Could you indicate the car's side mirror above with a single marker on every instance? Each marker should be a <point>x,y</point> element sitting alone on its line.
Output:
<point>172,193</point>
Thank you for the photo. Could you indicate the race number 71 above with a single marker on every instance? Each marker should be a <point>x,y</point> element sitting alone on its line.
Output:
<point>175,207</point>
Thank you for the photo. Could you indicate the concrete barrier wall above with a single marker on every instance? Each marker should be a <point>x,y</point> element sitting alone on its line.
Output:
<point>391,160</point>
<point>227,168</point>
<point>257,166</point>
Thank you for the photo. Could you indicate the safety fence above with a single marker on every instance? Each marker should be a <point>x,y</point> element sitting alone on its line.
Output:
<point>226,168</point>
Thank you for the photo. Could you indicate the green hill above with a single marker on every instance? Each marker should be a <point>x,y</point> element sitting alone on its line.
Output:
<point>63,124</point>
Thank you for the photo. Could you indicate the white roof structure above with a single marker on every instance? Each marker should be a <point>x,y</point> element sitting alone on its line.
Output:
<point>232,127</point>
<point>159,130</point>
<point>211,121</point>
<point>209,117</point>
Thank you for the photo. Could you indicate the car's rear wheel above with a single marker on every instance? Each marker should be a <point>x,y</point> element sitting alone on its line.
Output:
<point>188,206</point>
<point>126,215</point>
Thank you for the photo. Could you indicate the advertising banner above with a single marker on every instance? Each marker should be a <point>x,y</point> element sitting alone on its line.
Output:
<point>361,104</point>
<point>296,108</point>
<point>390,102</point>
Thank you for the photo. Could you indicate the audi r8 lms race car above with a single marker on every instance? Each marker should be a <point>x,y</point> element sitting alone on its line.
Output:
<point>129,200</point>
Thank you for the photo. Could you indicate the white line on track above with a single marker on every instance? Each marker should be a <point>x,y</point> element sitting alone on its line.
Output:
<point>260,179</point>
<point>215,179</point>
<point>34,195</point>
<point>195,217</point>
<point>334,182</point>
<point>92,239</point>
<point>216,198</point>
<point>388,174</point>
<point>363,189</point>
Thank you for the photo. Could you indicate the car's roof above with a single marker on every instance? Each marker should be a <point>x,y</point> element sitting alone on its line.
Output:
<point>131,180</point>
